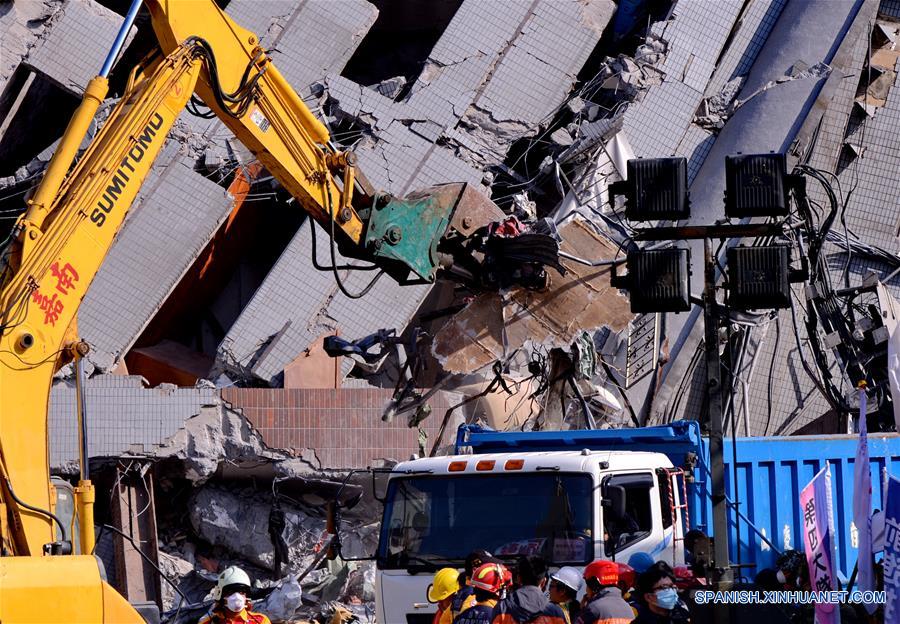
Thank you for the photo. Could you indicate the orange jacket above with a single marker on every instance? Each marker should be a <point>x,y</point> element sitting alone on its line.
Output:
<point>443,616</point>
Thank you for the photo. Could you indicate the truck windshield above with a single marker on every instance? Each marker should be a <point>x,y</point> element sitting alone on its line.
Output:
<point>441,519</point>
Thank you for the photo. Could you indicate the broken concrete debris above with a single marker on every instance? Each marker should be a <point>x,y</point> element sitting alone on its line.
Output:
<point>240,523</point>
<point>492,326</point>
<point>476,94</point>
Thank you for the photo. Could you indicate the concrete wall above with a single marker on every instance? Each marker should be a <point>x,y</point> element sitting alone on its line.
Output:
<point>343,426</point>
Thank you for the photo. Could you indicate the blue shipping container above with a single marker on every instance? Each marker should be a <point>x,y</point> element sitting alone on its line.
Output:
<point>770,474</point>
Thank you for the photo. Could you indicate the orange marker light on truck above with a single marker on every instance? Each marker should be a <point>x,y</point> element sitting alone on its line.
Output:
<point>457,466</point>
<point>485,464</point>
<point>514,464</point>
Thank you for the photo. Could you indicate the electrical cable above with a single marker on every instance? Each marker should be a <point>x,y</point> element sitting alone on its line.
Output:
<point>821,310</point>
<point>18,316</point>
<point>696,358</point>
<point>771,372</point>
<point>590,263</point>
<point>31,365</point>
<point>824,388</point>
<point>142,554</point>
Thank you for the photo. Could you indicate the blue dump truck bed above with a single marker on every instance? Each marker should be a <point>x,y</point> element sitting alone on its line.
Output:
<point>770,474</point>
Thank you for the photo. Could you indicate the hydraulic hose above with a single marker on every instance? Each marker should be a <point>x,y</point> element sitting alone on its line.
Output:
<point>37,510</point>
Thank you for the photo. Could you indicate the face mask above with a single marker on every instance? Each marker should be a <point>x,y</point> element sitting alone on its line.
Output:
<point>781,578</point>
<point>236,602</point>
<point>667,598</point>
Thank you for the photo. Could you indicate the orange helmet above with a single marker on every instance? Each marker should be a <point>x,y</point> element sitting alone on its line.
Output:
<point>491,577</point>
<point>606,572</point>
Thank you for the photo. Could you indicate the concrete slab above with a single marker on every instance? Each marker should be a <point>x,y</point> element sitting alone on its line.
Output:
<point>75,42</point>
<point>297,303</point>
<point>123,416</point>
<point>163,231</point>
<point>498,70</point>
<point>311,38</point>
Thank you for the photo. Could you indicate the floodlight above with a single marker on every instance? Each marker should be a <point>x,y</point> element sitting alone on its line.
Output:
<point>756,186</point>
<point>659,280</point>
<point>656,189</point>
<point>759,277</point>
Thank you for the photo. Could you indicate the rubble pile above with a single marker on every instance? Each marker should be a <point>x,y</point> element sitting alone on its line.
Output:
<point>231,524</point>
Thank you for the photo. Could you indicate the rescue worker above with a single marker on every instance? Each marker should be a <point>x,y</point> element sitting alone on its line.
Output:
<point>640,562</point>
<point>627,578</point>
<point>528,604</point>
<point>603,602</point>
<point>465,597</point>
<point>658,601</point>
<point>488,582</point>
<point>791,571</point>
<point>231,605</point>
<point>696,552</point>
<point>792,574</point>
<point>565,584</point>
<point>441,592</point>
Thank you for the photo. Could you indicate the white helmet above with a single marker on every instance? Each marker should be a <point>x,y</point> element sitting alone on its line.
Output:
<point>231,575</point>
<point>568,576</point>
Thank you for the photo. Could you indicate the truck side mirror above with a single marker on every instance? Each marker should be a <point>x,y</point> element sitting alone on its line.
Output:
<point>352,501</point>
<point>333,528</point>
<point>614,500</point>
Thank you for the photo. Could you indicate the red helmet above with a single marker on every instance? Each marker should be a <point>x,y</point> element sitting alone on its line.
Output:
<point>606,572</point>
<point>627,575</point>
<point>684,577</point>
<point>491,577</point>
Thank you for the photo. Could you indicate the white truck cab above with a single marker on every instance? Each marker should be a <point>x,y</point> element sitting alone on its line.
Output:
<point>571,507</point>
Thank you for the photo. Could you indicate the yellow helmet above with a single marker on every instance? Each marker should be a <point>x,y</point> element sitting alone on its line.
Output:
<point>446,583</point>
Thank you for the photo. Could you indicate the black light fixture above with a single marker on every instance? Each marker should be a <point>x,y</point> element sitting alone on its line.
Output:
<point>656,189</point>
<point>759,277</point>
<point>658,280</point>
<point>756,186</point>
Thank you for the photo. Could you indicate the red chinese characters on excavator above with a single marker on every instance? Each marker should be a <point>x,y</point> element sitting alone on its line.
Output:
<point>65,277</point>
<point>52,306</point>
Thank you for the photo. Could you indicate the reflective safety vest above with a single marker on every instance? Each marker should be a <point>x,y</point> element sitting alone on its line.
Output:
<point>480,613</point>
<point>222,616</point>
<point>462,600</point>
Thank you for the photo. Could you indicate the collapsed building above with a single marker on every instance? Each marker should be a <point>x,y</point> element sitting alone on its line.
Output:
<point>210,383</point>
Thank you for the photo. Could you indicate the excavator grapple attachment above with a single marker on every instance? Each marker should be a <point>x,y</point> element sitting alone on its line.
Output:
<point>455,230</point>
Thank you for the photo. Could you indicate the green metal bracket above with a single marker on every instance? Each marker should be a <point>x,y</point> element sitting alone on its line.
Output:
<point>408,230</point>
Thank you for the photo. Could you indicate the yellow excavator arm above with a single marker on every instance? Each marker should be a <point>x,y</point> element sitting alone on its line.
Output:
<point>59,243</point>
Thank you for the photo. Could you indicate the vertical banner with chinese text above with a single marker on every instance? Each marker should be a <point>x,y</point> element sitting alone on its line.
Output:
<point>818,541</point>
<point>862,504</point>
